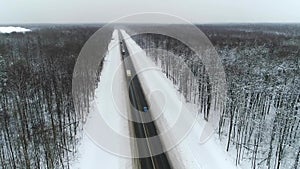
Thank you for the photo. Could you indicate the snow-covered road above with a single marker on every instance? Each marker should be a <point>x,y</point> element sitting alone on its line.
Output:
<point>173,117</point>
<point>180,128</point>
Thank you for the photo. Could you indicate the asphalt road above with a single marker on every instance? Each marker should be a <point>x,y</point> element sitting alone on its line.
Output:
<point>143,127</point>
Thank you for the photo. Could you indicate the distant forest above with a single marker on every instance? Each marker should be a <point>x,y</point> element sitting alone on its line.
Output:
<point>260,120</point>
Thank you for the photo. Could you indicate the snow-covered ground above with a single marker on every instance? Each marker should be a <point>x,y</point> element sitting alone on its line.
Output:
<point>165,100</point>
<point>10,29</point>
<point>94,153</point>
<point>168,107</point>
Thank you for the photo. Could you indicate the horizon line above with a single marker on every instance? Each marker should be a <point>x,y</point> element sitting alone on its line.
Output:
<point>196,23</point>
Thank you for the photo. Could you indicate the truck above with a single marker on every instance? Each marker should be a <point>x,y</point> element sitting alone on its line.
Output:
<point>128,72</point>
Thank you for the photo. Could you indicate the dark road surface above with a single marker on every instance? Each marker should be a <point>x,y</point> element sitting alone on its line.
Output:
<point>143,127</point>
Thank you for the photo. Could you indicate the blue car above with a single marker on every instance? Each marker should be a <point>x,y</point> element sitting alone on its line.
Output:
<point>145,109</point>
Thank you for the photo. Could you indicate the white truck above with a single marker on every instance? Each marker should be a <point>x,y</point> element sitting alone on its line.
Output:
<point>128,72</point>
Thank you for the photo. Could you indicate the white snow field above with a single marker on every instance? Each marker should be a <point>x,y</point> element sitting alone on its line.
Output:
<point>10,29</point>
<point>189,153</point>
<point>103,110</point>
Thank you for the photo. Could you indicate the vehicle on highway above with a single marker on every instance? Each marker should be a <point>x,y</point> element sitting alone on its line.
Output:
<point>145,109</point>
<point>128,72</point>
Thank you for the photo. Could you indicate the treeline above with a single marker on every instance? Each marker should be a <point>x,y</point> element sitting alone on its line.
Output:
<point>87,70</point>
<point>38,122</point>
<point>188,74</point>
<point>260,120</point>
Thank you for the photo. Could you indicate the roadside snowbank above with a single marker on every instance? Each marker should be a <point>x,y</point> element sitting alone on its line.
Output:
<point>105,108</point>
<point>188,153</point>
<point>10,29</point>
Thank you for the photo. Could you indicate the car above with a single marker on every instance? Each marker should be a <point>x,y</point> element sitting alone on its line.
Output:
<point>145,109</point>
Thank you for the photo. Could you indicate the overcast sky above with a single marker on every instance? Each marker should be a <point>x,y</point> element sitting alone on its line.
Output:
<point>197,11</point>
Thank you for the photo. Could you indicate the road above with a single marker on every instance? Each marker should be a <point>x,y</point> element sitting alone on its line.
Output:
<point>143,126</point>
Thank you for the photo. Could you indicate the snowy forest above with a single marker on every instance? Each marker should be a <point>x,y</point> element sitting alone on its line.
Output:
<point>260,119</point>
<point>38,124</point>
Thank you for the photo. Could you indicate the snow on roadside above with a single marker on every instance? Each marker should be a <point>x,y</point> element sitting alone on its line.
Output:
<point>189,153</point>
<point>103,110</point>
<point>10,29</point>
